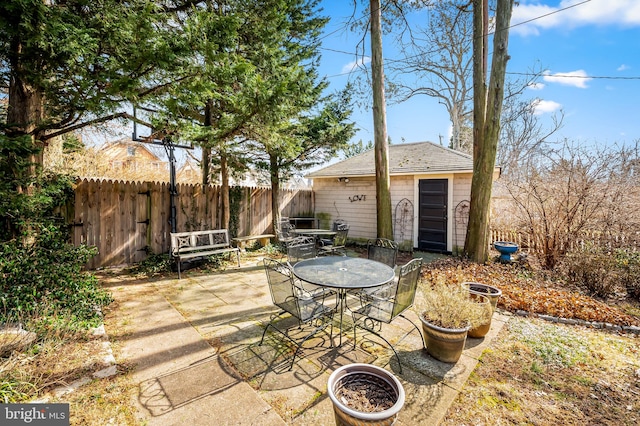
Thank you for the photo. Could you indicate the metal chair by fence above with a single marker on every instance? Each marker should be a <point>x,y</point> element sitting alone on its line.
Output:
<point>301,248</point>
<point>383,250</point>
<point>311,311</point>
<point>337,244</point>
<point>388,303</point>
<point>285,233</point>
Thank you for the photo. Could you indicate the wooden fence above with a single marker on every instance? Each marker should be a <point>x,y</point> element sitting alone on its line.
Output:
<point>528,242</point>
<point>128,220</point>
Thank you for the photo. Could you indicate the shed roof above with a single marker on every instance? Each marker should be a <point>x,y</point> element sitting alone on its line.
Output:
<point>404,159</point>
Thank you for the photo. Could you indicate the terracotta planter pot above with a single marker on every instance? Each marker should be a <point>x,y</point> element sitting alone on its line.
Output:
<point>493,293</point>
<point>369,375</point>
<point>481,330</point>
<point>444,344</point>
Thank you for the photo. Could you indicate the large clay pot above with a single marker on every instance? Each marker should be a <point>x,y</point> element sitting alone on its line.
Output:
<point>444,344</point>
<point>481,330</point>
<point>369,375</point>
<point>493,293</point>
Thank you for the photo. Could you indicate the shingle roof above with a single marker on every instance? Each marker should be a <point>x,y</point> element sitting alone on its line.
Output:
<point>407,158</point>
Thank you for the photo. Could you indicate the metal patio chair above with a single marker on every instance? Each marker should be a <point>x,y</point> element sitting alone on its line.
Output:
<point>308,311</point>
<point>383,250</point>
<point>388,303</point>
<point>285,234</point>
<point>301,248</point>
<point>337,244</point>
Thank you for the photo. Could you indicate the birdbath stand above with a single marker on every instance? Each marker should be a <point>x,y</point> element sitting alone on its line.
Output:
<point>506,249</point>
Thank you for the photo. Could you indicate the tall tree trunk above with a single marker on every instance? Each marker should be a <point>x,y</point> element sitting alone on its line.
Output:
<point>383,182</point>
<point>25,110</point>
<point>486,126</point>
<point>225,211</point>
<point>205,165</point>
<point>274,172</point>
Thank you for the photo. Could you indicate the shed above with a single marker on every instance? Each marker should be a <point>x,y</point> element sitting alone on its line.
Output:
<point>430,190</point>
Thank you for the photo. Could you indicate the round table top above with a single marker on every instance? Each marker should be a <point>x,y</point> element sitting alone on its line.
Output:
<point>343,272</point>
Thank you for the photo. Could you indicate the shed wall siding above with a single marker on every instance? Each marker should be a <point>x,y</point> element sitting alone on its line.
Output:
<point>334,200</point>
<point>461,192</point>
<point>355,203</point>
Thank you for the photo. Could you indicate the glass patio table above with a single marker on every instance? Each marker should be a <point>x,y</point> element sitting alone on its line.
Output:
<point>342,274</point>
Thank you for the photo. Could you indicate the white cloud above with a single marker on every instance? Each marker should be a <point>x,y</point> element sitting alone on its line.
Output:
<point>576,78</point>
<point>541,106</point>
<point>623,67</point>
<point>354,64</point>
<point>536,86</point>
<point>530,18</point>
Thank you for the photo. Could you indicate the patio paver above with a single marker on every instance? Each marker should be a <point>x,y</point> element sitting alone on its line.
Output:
<point>194,342</point>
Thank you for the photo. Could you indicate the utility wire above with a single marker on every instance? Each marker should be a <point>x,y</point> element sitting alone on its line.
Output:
<point>435,51</point>
<point>549,14</point>
<point>512,73</point>
<point>590,77</point>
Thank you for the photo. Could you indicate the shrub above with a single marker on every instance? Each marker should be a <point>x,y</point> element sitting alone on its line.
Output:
<point>450,306</point>
<point>604,272</point>
<point>43,274</point>
<point>628,266</point>
<point>154,264</point>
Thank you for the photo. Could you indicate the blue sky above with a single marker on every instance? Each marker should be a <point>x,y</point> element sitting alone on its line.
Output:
<point>590,53</point>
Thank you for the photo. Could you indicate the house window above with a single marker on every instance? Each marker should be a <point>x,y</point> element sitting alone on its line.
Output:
<point>131,151</point>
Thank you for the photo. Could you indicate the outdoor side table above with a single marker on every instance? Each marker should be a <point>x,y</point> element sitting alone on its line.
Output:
<point>342,274</point>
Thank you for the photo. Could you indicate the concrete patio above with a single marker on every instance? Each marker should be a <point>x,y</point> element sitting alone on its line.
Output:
<point>194,345</point>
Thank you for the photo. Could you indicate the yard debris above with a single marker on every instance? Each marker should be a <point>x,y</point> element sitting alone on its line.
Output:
<point>525,290</point>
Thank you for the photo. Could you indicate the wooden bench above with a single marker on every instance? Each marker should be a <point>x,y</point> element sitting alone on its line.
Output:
<point>242,241</point>
<point>191,245</point>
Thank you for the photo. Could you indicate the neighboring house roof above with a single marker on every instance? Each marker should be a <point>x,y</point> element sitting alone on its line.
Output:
<point>123,149</point>
<point>404,159</point>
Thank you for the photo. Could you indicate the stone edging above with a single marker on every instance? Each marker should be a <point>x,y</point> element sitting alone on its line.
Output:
<point>591,324</point>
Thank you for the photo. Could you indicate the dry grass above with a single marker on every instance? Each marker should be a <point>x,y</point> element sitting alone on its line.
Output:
<point>60,358</point>
<point>450,306</point>
<point>539,373</point>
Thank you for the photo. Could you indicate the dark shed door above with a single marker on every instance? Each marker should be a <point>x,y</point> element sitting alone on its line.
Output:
<point>432,224</point>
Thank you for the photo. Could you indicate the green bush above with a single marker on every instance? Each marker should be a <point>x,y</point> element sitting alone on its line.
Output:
<point>154,264</point>
<point>41,273</point>
<point>45,273</point>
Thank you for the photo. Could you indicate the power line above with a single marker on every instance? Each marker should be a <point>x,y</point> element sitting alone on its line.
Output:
<point>590,77</point>
<point>512,73</point>
<point>549,14</point>
<point>443,48</point>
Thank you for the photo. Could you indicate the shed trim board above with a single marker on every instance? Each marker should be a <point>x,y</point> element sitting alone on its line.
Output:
<point>416,206</point>
<point>426,175</point>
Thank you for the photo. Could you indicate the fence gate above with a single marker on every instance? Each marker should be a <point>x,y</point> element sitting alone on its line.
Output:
<point>143,230</point>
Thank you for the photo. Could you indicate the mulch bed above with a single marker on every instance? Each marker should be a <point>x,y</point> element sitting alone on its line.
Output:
<point>533,291</point>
